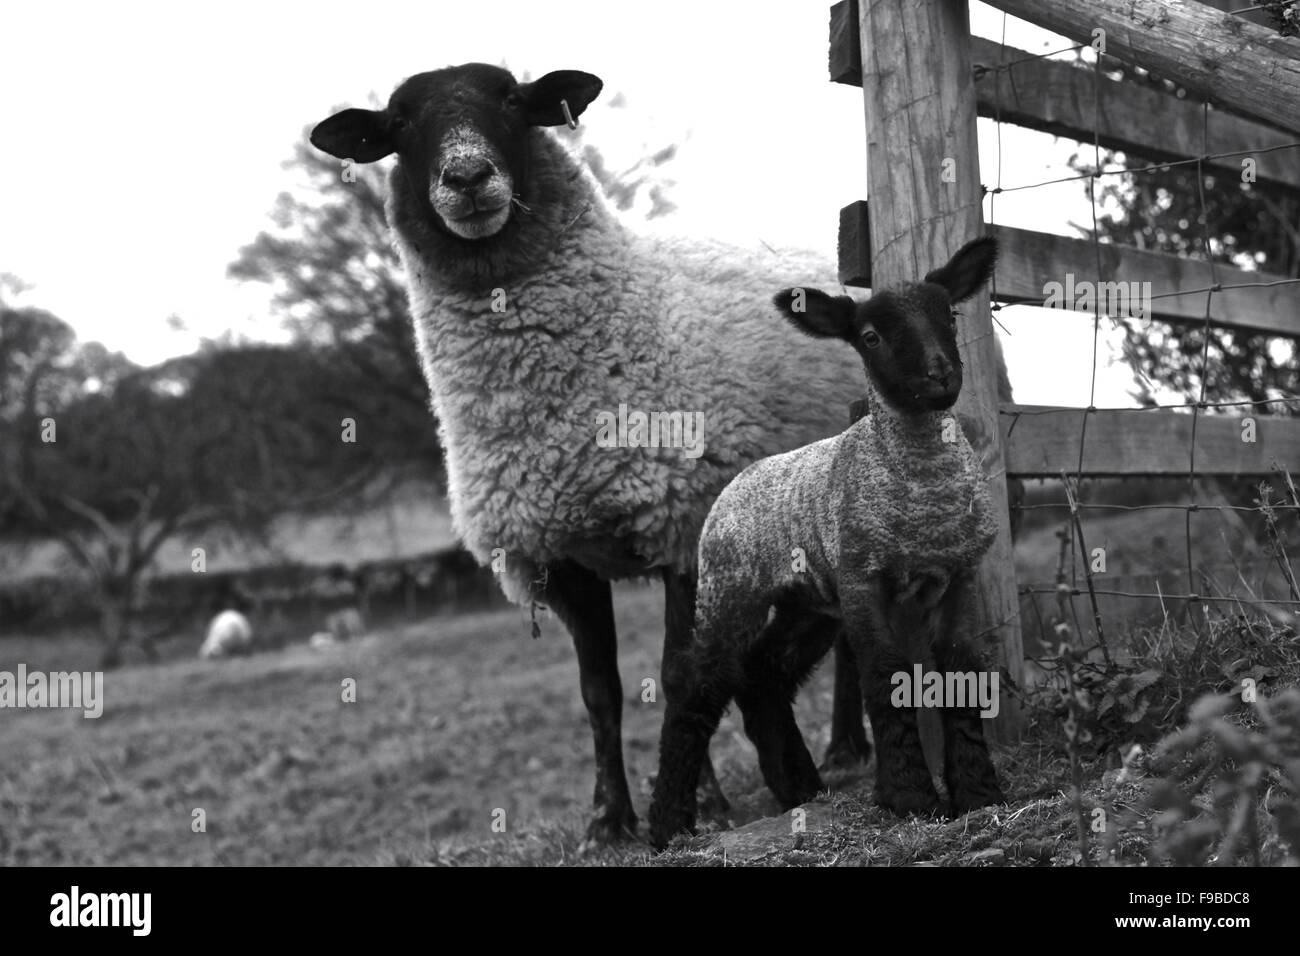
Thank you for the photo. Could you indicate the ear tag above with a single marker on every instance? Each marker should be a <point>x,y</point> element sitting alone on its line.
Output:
<point>568,117</point>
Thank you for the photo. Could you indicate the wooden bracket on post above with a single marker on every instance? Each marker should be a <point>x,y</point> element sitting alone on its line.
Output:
<point>854,244</point>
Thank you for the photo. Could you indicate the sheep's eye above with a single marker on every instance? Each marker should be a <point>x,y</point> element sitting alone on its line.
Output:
<point>954,315</point>
<point>514,100</point>
<point>400,124</point>
<point>870,338</point>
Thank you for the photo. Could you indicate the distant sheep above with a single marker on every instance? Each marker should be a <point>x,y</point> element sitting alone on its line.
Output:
<point>345,624</point>
<point>540,320</point>
<point>229,635</point>
<point>342,625</point>
<point>891,519</point>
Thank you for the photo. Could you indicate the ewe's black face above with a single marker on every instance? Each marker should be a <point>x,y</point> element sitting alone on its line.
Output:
<point>462,137</point>
<point>907,337</point>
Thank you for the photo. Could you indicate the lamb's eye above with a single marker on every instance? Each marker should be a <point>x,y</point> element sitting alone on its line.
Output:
<point>954,315</point>
<point>870,338</point>
<point>514,100</point>
<point>400,124</point>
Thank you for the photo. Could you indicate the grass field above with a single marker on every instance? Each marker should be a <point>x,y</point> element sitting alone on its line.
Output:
<point>456,717</point>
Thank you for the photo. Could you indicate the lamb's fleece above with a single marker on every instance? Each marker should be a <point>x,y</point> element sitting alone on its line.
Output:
<point>597,316</point>
<point>905,501</point>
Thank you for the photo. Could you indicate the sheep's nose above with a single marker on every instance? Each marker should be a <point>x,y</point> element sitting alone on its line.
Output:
<point>467,174</point>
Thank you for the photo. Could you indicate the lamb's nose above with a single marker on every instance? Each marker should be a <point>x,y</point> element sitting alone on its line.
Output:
<point>940,374</point>
<point>466,174</point>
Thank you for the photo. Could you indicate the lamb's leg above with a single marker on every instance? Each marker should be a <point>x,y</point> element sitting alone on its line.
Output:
<point>848,744</point>
<point>848,736</point>
<point>584,603</point>
<point>903,782</point>
<point>679,627</point>
<point>967,770</point>
<point>691,717</point>
<point>774,666</point>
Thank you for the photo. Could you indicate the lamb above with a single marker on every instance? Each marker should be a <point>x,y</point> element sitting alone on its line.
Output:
<point>229,634</point>
<point>549,335</point>
<point>887,524</point>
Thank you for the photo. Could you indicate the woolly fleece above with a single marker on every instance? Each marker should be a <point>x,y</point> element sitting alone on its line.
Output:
<point>596,316</point>
<point>229,633</point>
<point>889,490</point>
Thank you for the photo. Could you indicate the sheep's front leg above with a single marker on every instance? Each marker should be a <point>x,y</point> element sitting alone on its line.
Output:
<point>967,770</point>
<point>585,605</point>
<point>903,782</point>
<point>679,628</point>
<point>848,744</point>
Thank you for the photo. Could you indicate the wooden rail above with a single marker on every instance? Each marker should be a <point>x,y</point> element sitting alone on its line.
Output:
<point>1029,260</point>
<point>1042,442</point>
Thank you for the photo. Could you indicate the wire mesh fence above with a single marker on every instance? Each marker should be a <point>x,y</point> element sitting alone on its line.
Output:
<point>1203,594</point>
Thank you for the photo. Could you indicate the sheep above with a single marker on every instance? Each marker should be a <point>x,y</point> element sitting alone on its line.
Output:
<point>345,624</point>
<point>887,524</point>
<point>320,640</point>
<point>229,634</point>
<point>541,323</point>
<point>342,625</point>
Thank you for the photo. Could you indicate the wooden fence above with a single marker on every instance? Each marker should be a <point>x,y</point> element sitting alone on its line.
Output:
<point>925,80</point>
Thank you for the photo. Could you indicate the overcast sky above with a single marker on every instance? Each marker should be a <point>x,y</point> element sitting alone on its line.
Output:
<point>144,142</point>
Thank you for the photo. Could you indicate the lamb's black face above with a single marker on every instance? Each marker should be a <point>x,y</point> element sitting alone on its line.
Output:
<point>907,337</point>
<point>462,137</point>
<point>908,343</point>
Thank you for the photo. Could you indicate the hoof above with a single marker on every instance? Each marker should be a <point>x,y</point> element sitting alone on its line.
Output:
<point>712,807</point>
<point>664,825</point>
<point>611,827</point>
<point>846,754</point>
<point>798,792</point>
<point>965,799</point>
<point>904,802</point>
<point>807,791</point>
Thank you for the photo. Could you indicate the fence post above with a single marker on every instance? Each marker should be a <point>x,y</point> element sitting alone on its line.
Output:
<point>923,184</point>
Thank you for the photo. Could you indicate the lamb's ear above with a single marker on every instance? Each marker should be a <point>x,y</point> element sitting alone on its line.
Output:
<point>816,313</point>
<point>968,269</point>
<point>359,135</point>
<point>542,98</point>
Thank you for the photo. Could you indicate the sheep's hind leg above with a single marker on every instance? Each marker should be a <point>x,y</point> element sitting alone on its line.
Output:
<point>848,746</point>
<point>903,782</point>
<point>775,665</point>
<point>584,603</point>
<point>967,769</point>
<point>679,626</point>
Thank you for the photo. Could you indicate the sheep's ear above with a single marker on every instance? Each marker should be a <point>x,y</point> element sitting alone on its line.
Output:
<point>359,135</point>
<point>816,313</point>
<point>542,98</point>
<point>968,269</point>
